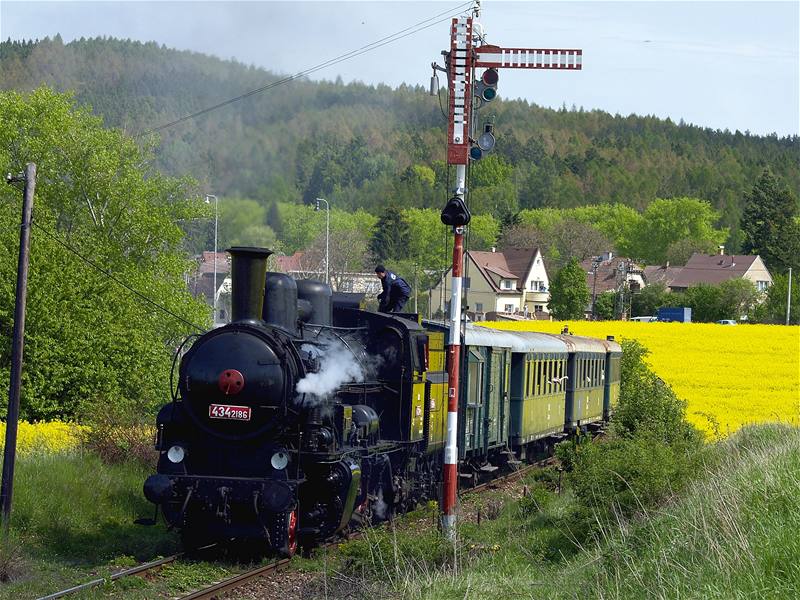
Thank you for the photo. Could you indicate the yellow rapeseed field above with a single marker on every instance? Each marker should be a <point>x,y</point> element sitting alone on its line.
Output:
<point>731,375</point>
<point>51,437</point>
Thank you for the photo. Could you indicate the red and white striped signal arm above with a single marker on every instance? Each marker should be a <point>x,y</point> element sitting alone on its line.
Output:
<point>528,58</point>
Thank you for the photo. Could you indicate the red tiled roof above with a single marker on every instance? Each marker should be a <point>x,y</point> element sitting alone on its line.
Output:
<point>492,262</point>
<point>288,264</point>
<point>713,269</point>
<point>661,274</point>
<point>207,263</point>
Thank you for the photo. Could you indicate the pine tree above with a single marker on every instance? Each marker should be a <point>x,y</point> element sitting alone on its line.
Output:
<point>768,222</point>
<point>569,292</point>
<point>274,219</point>
<point>390,241</point>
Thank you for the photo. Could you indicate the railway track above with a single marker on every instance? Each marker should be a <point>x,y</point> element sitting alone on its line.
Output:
<point>216,590</point>
<point>149,566</point>
<point>236,581</point>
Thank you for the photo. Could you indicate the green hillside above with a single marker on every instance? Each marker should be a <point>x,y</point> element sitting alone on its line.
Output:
<point>364,145</point>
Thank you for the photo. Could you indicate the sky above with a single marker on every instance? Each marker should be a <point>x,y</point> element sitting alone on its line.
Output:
<point>723,65</point>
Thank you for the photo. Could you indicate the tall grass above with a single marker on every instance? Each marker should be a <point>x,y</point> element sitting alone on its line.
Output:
<point>73,517</point>
<point>732,534</point>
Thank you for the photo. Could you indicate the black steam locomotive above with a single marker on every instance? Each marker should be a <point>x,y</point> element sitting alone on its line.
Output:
<point>307,415</point>
<point>275,434</point>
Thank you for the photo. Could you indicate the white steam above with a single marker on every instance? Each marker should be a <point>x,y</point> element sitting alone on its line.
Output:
<point>337,366</point>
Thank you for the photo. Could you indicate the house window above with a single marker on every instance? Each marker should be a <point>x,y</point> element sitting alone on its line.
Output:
<point>762,285</point>
<point>479,306</point>
<point>509,308</point>
<point>506,284</point>
<point>538,308</point>
<point>536,285</point>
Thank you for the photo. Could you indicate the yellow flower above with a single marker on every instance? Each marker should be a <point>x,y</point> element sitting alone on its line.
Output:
<point>729,376</point>
<point>52,437</point>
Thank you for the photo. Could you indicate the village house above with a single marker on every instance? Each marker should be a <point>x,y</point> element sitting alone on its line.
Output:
<point>714,269</point>
<point>511,282</point>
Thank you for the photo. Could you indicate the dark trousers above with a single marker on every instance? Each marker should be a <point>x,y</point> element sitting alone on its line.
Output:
<point>395,305</point>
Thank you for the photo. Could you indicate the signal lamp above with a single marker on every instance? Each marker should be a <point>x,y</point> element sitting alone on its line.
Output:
<point>475,152</point>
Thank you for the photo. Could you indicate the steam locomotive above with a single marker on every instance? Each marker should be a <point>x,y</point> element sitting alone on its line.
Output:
<point>307,416</point>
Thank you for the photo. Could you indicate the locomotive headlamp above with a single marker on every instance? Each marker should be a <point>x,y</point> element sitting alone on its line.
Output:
<point>279,460</point>
<point>176,454</point>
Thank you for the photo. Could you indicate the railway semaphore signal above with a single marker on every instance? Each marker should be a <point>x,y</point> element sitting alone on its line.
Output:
<point>465,96</point>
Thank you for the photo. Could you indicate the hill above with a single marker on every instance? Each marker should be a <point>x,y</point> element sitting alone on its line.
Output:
<point>363,145</point>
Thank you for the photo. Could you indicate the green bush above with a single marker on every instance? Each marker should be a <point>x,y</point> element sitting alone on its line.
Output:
<point>650,453</point>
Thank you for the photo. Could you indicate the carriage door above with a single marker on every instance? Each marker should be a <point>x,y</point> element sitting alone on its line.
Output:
<point>473,434</point>
<point>494,398</point>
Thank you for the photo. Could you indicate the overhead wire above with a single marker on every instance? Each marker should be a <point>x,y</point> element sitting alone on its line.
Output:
<point>403,33</point>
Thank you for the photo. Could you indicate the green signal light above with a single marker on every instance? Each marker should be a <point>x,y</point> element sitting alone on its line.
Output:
<point>489,94</point>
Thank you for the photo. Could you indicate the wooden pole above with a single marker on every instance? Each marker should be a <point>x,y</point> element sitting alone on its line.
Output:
<point>17,344</point>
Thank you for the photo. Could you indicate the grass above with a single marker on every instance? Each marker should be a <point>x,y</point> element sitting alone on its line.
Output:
<point>72,521</point>
<point>732,534</point>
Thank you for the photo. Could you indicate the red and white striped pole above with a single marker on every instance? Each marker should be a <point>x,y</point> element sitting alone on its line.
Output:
<point>460,85</point>
<point>453,378</point>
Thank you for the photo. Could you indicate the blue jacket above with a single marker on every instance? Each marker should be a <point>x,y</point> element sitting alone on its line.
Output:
<point>394,287</point>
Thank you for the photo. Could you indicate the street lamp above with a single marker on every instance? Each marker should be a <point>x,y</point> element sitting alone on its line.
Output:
<point>327,238</point>
<point>216,224</point>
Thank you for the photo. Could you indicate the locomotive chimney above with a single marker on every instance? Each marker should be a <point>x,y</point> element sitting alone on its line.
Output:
<point>248,276</point>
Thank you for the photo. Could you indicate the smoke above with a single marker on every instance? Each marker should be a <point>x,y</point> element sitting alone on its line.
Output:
<point>379,506</point>
<point>337,366</point>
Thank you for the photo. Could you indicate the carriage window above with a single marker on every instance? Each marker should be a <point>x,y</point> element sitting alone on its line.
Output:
<point>550,376</point>
<point>526,384</point>
<point>539,377</point>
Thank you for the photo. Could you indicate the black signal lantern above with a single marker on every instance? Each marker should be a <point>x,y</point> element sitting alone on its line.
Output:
<point>486,88</point>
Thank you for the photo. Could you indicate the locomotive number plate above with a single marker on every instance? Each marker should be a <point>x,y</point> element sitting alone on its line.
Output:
<point>226,411</point>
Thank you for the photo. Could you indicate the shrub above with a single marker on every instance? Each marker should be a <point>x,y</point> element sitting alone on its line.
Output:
<point>651,452</point>
<point>118,436</point>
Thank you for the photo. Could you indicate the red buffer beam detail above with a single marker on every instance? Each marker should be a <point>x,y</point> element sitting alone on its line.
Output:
<point>528,58</point>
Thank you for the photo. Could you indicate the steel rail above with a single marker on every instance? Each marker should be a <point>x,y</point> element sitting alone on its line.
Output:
<point>119,575</point>
<point>232,583</point>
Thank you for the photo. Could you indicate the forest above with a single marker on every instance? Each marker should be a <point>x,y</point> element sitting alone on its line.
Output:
<point>366,147</point>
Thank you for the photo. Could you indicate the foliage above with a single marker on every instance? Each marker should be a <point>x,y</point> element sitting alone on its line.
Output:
<point>89,340</point>
<point>773,309</point>
<point>668,221</point>
<point>569,294</point>
<point>732,299</point>
<point>117,435</point>
<point>730,376</point>
<point>605,306</point>
<point>650,454</point>
<point>649,299</point>
<point>769,225</point>
<point>390,240</point>
<point>335,140</point>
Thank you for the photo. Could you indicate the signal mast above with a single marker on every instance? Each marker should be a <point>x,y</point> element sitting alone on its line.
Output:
<point>465,97</point>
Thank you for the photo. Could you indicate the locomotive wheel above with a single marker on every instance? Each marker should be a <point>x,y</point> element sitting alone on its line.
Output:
<point>291,532</point>
<point>290,542</point>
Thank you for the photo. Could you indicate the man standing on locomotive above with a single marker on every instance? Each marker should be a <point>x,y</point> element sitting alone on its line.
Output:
<point>395,291</point>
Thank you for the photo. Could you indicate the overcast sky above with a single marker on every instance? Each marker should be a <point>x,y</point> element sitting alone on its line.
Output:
<point>722,65</point>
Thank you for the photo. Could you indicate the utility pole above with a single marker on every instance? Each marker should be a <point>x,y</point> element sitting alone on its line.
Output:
<point>461,61</point>
<point>789,298</point>
<point>17,344</point>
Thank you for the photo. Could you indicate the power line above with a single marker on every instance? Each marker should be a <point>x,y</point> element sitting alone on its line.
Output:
<point>113,277</point>
<point>411,30</point>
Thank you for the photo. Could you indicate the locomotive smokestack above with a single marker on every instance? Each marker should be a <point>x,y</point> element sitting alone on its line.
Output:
<point>248,276</point>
